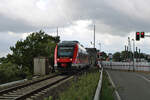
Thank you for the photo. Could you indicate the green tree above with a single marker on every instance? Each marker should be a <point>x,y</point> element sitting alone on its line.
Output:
<point>104,55</point>
<point>117,56</point>
<point>126,55</point>
<point>11,72</point>
<point>136,54</point>
<point>35,45</point>
<point>2,60</point>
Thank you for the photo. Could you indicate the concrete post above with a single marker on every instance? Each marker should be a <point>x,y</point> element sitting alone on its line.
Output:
<point>40,66</point>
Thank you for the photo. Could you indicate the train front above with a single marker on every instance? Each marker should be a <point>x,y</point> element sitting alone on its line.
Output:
<point>65,55</point>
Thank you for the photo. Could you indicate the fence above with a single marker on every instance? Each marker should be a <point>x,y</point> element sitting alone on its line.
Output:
<point>137,66</point>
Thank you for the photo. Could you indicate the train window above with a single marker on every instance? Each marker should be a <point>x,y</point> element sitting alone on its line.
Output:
<point>65,51</point>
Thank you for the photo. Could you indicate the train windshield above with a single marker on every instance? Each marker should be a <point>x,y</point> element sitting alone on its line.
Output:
<point>65,51</point>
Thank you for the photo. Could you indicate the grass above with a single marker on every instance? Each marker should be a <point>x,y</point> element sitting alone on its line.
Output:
<point>49,98</point>
<point>107,92</point>
<point>83,88</point>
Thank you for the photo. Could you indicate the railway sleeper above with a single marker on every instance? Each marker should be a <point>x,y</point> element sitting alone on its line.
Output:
<point>3,97</point>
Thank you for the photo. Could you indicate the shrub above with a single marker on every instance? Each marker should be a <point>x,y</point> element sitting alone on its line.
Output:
<point>10,72</point>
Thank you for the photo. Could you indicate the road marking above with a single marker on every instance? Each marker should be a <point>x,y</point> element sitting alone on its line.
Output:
<point>116,92</point>
<point>143,77</point>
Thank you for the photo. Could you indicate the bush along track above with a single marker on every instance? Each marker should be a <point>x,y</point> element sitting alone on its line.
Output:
<point>82,87</point>
<point>107,91</point>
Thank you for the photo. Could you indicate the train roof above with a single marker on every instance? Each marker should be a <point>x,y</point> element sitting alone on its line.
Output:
<point>67,43</point>
<point>70,41</point>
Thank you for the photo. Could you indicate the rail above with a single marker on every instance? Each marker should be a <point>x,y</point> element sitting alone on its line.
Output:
<point>23,91</point>
<point>24,85</point>
<point>30,93</point>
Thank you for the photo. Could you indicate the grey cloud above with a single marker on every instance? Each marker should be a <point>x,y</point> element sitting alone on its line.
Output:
<point>14,25</point>
<point>119,22</point>
<point>5,42</point>
<point>108,18</point>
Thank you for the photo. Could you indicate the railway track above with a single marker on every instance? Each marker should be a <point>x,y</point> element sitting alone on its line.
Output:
<point>27,91</point>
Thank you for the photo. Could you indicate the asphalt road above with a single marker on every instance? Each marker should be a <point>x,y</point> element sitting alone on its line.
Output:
<point>131,85</point>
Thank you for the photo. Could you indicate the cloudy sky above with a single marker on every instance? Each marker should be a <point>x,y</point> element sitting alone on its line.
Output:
<point>115,21</point>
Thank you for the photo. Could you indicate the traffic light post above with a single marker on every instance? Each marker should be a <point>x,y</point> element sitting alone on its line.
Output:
<point>147,35</point>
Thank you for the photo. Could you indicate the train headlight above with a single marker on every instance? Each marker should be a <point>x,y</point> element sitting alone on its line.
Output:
<point>58,59</point>
<point>70,59</point>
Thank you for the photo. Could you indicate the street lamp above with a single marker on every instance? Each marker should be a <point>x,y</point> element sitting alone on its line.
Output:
<point>99,47</point>
<point>139,55</point>
<point>133,52</point>
<point>94,35</point>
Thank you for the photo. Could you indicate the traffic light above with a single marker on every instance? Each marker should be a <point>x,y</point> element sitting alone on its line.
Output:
<point>137,36</point>
<point>142,34</point>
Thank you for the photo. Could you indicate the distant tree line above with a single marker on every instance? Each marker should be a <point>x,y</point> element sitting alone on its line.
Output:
<point>19,64</point>
<point>128,56</point>
<point>104,55</point>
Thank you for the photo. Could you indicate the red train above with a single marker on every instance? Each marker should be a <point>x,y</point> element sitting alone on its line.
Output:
<point>70,55</point>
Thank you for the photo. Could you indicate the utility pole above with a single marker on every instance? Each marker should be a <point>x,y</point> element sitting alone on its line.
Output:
<point>125,52</point>
<point>94,35</point>
<point>133,52</point>
<point>139,55</point>
<point>57,31</point>
<point>129,49</point>
<point>136,49</point>
<point>99,47</point>
<point>136,54</point>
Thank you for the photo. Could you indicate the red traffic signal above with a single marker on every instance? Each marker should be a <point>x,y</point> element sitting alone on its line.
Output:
<point>137,36</point>
<point>142,34</point>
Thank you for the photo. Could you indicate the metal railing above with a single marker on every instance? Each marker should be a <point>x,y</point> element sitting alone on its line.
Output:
<point>98,90</point>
